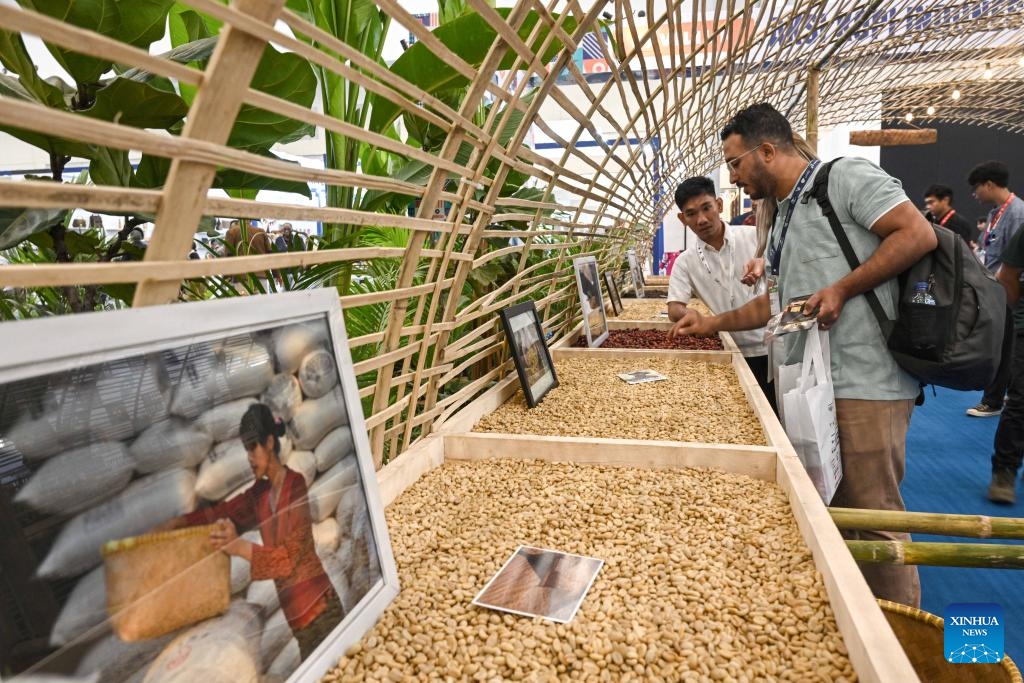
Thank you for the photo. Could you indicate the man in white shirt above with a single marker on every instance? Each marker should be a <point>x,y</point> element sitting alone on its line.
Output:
<point>711,269</point>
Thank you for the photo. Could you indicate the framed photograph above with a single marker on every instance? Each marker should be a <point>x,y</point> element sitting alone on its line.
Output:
<point>536,582</point>
<point>595,321</point>
<point>529,351</point>
<point>613,293</point>
<point>146,453</point>
<point>636,273</point>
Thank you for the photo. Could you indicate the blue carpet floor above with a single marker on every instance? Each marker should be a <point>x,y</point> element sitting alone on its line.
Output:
<point>948,470</point>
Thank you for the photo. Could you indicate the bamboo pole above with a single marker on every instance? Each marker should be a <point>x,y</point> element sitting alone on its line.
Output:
<point>813,92</point>
<point>969,526</point>
<point>982,555</point>
<point>210,119</point>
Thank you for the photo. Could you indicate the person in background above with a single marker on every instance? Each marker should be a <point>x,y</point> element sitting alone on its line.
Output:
<point>874,396</point>
<point>278,505</point>
<point>748,217</point>
<point>939,201</point>
<point>711,269</point>
<point>250,240</point>
<point>1009,440</point>
<point>289,240</point>
<point>989,181</point>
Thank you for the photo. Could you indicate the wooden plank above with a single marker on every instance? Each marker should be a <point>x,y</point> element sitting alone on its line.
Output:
<point>470,414</point>
<point>722,357</point>
<point>210,118</point>
<point>406,469</point>
<point>774,433</point>
<point>758,462</point>
<point>875,653</point>
<point>69,274</point>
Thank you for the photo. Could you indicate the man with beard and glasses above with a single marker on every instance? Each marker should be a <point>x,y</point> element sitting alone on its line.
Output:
<point>874,396</point>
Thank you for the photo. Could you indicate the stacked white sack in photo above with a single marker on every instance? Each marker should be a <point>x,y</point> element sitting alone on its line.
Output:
<point>78,479</point>
<point>222,421</point>
<point>146,503</point>
<point>84,610</point>
<point>283,395</point>
<point>109,403</point>
<point>217,374</point>
<point>224,649</point>
<point>169,444</point>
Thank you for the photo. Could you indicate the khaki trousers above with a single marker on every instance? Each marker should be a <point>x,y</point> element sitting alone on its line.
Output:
<point>873,443</point>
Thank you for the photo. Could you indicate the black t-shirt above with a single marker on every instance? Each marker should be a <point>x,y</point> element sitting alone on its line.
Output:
<point>1013,256</point>
<point>959,225</point>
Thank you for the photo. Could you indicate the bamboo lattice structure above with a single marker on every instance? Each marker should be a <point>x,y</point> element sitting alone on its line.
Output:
<point>672,77</point>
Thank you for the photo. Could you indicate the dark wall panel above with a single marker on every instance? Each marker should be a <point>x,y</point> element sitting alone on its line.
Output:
<point>959,149</point>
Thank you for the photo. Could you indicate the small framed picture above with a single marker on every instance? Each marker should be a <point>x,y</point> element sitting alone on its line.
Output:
<point>529,352</point>
<point>636,272</point>
<point>595,323</point>
<point>613,293</point>
<point>148,452</point>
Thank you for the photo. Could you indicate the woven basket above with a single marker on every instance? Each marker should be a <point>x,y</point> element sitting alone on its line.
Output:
<point>157,583</point>
<point>920,633</point>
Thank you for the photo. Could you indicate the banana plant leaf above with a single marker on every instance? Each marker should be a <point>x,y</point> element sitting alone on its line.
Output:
<point>470,37</point>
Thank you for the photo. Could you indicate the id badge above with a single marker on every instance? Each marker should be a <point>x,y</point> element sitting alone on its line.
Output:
<point>773,295</point>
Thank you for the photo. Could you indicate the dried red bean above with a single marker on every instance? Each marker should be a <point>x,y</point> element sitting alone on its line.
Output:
<point>654,339</point>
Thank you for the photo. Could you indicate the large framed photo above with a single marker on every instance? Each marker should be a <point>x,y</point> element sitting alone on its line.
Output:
<point>613,293</point>
<point>187,493</point>
<point>529,351</point>
<point>588,283</point>
<point>636,273</point>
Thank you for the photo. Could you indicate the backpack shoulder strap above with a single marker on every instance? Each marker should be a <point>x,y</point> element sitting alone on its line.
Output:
<point>819,190</point>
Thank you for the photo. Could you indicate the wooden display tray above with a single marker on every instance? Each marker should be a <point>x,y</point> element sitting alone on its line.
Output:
<point>874,651</point>
<point>566,342</point>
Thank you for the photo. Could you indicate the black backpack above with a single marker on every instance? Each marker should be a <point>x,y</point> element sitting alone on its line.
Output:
<point>955,343</point>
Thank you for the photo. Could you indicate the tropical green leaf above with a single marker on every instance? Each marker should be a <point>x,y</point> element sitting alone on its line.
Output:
<point>231,179</point>
<point>283,75</point>
<point>470,37</point>
<point>198,51</point>
<point>142,22</point>
<point>187,25</point>
<point>151,172</point>
<point>136,104</point>
<point>11,87</point>
<point>18,224</point>
<point>137,22</point>
<point>450,10</point>
<point>15,57</point>
<point>110,166</point>
<point>101,16</point>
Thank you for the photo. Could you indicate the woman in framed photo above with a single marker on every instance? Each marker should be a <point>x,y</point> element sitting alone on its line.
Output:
<point>278,505</point>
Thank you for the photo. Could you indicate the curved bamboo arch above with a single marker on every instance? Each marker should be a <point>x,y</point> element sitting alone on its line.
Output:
<point>675,73</point>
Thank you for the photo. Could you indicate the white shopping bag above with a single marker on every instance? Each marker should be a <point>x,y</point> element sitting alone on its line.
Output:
<point>810,414</point>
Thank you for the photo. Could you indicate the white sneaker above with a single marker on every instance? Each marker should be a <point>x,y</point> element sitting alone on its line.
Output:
<point>983,410</point>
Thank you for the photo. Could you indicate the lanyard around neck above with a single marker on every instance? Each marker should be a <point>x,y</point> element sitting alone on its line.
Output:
<point>707,266</point>
<point>995,220</point>
<point>946,218</point>
<point>775,251</point>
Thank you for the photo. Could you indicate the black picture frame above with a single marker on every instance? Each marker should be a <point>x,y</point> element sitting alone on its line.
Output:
<point>529,351</point>
<point>613,293</point>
